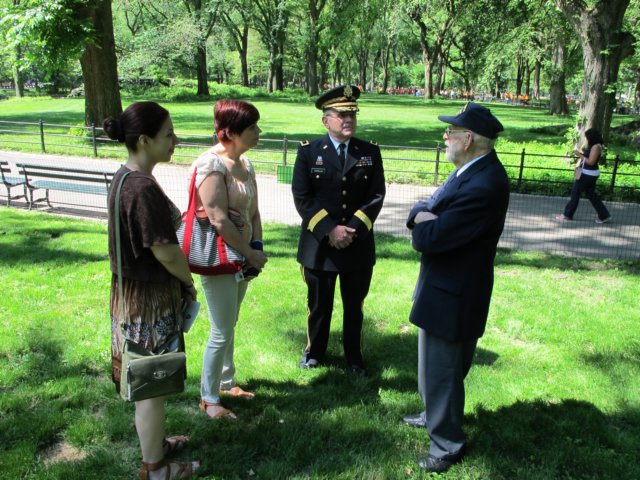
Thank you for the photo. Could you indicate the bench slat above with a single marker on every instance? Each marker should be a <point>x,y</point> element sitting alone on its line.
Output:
<point>69,187</point>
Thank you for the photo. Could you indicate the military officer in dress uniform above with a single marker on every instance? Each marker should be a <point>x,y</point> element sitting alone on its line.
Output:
<point>338,189</point>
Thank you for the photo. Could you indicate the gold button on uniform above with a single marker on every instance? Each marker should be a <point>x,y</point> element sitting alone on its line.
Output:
<point>344,179</point>
<point>344,192</point>
<point>344,205</point>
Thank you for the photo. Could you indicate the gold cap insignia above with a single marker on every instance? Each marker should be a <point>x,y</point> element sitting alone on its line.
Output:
<point>348,92</point>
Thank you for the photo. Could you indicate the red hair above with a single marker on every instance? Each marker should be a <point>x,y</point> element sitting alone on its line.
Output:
<point>233,116</point>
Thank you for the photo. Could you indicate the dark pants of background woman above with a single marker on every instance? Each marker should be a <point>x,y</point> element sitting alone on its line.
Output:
<point>586,184</point>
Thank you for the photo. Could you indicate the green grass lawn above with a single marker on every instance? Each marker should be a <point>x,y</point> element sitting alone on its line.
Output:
<point>554,392</point>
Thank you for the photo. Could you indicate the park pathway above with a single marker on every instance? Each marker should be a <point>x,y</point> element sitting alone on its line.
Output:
<point>530,223</point>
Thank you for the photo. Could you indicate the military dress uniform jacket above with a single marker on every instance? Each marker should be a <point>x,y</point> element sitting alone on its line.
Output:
<point>327,195</point>
<point>453,292</point>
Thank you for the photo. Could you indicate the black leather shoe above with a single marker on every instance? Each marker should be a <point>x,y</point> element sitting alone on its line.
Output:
<point>418,420</point>
<point>309,363</point>
<point>440,465</point>
<point>358,370</point>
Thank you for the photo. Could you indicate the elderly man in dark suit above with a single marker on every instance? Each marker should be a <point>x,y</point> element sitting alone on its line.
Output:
<point>457,232</point>
<point>338,189</point>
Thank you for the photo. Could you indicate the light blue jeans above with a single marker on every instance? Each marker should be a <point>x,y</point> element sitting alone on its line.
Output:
<point>224,296</point>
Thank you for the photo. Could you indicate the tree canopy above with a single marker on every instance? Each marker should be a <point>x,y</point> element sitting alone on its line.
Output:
<point>521,48</point>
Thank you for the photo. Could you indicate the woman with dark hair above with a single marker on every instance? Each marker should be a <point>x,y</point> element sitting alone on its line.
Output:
<point>587,173</point>
<point>228,197</point>
<point>155,273</point>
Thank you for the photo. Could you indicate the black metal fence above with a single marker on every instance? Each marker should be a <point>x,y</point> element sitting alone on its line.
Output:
<point>531,173</point>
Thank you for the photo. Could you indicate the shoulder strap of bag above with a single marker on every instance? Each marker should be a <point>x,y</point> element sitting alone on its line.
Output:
<point>119,250</point>
<point>191,213</point>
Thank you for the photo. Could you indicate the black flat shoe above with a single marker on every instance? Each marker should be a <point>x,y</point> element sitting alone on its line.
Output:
<point>418,420</point>
<point>439,465</point>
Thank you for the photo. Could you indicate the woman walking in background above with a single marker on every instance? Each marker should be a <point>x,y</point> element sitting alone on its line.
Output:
<point>155,274</point>
<point>227,196</point>
<point>587,173</point>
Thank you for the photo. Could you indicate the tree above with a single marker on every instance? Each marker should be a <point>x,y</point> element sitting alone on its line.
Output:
<point>271,18</point>
<point>83,29</point>
<point>433,19</point>
<point>99,65</point>
<point>237,20</point>
<point>604,46</point>
<point>205,16</point>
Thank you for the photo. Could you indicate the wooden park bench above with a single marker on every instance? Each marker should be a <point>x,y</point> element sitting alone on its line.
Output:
<point>11,181</point>
<point>66,179</point>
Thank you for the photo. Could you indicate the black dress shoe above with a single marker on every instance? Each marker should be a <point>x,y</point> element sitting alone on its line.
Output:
<point>358,370</point>
<point>418,420</point>
<point>309,363</point>
<point>442,464</point>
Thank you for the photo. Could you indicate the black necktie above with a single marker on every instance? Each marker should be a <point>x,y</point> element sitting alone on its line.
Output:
<point>438,193</point>
<point>341,156</point>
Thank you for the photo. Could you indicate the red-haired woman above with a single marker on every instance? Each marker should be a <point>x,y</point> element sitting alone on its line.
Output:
<point>226,184</point>
<point>155,273</point>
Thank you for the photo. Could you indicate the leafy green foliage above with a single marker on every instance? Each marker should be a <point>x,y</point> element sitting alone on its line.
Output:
<point>56,27</point>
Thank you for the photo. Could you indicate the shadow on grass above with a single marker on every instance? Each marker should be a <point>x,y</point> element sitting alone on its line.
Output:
<point>324,423</point>
<point>568,439</point>
<point>33,244</point>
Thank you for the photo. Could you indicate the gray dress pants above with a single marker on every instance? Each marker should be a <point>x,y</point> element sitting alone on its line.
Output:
<point>442,368</point>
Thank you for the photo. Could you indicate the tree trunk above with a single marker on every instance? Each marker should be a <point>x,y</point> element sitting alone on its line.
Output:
<point>536,79</point>
<point>100,69</point>
<point>18,79</point>
<point>279,69</point>
<point>312,70</point>
<point>604,46</point>
<point>520,75</point>
<point>201,69</point>
<point>636,95</point>
<point>243,54</point>
<point>557,89</point>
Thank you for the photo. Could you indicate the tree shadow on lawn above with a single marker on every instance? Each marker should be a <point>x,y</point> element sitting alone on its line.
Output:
<point>34,247</point>
<point>567,439</point>
<point>43,386</point>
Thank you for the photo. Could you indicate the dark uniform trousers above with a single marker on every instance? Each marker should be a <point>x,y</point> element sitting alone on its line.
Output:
<point>354,287</point>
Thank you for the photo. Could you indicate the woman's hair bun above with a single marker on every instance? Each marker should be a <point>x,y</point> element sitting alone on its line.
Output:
<point>114,129</point>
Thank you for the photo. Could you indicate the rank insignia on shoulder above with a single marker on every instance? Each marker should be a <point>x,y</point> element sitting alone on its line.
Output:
<point>304,143</point>
<point>373,143</point>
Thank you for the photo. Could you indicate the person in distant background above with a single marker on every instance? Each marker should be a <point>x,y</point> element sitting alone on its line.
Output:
<point>586,178</point>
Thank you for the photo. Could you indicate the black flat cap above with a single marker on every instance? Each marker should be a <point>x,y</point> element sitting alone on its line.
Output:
<point>343,99</point>
<point>477,118</point>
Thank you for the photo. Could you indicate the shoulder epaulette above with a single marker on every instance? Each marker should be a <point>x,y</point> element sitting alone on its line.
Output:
<point>374,143</point>
<point>304,143</point>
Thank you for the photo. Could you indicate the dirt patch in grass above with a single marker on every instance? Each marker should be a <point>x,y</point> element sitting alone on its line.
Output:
<point>61,452</point>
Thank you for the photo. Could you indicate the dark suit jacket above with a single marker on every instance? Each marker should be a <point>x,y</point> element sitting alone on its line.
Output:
<point>452,295</point>
<point>327,195</point>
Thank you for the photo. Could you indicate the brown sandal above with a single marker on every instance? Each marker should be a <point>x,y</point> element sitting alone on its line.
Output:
<point>237,392</point>
<point>185,469</point>
<point>222,413</point>
<point>172,445</point>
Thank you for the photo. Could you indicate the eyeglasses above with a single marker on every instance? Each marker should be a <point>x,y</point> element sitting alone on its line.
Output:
<point>448,131</point>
